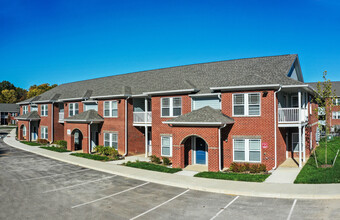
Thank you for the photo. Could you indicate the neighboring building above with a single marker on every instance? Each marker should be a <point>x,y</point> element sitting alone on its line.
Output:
<point>334,121</point>
<point>8,112</point>
<point>254,110</point>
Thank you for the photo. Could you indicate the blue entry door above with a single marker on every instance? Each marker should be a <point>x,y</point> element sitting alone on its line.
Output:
<point>200,151</point>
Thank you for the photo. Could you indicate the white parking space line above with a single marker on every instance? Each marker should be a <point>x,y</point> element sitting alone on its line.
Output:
<point>9,157</point>
<point>68,187</point>
<point>218,213</point>
<point>160,205</point>
<point>18,170</point>
<point>59,174</point>
<point>26,161</point>
<point>105,197</point>
<point>291,210</point>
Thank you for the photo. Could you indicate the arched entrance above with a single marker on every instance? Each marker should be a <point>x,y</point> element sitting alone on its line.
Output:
<point>22,132</point>
<point>195,151</point>
<point>77,139</point>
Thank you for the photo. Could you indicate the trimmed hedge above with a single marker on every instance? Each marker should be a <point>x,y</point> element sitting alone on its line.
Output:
<point>57,149</point>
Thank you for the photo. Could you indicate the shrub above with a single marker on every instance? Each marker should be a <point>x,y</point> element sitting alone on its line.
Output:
<point>166,161</point>
<point>247,166</point>
<point>155,159</point>
<point>61,143</point>
<point>42,141</point>
<point>262,168</point>
<point>255,168</point>
<point>107,151</point>
<point>98,149</point>
<point>234,167</point>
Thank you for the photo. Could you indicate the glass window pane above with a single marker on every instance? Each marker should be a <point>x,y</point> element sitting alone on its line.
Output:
<point>106,136</point>
<point>166,151</point>
<point>255,156</point>
<point>177,111</point>
<point>114,112</point>
<point>239,110</point>
<point>106,143</point>
<point>165,102</point>
<point>166,141</point>
<point>254,109</point>
<point>238,98</point>
<point>239,145</point>
<point>254,145</point>
<point>239,155</point>
<point>254,98</point>
<point>177,102</point>
<point>114,105</point>
<point>115,145</point>
<point>114,137</point>
<point>165,111</point>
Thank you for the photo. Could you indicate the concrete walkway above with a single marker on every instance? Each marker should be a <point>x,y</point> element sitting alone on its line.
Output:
<point>283,190</point>
<point>283,175</point>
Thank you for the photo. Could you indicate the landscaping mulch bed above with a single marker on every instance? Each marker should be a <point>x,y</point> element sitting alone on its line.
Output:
<point>152,166</point>
<point>56,149</point>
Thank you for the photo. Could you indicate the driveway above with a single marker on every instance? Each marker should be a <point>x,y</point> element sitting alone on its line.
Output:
<point>36,187</point>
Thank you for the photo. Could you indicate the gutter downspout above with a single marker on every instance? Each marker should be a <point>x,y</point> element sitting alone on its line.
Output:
<point>219,148</point>
<point>29,130</point>
<point>126,127</point>
<point>275,125</point>
<point>52,123</point>
<point>89,137</point>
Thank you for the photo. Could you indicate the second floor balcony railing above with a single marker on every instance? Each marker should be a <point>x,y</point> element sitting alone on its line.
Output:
<point>292,115</point>
<point>142,118</point>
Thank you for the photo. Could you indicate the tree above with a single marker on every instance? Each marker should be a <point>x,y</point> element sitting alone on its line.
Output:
<point>8,96</point>
<point>21,94</point>
<point>325,98</point>
<point>6,85</point>
<point>37,90</point>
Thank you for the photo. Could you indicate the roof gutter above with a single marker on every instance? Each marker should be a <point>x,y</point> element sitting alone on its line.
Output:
<point>247,87</point>
<point>81,120</point>
<point>196,123</point>
<point>179,91</point>
<point>110,96</point>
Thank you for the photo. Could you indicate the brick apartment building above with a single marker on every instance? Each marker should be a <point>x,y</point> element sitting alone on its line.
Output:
<point>334,120</point>
<point>255,110</point>
<point>8,112</point>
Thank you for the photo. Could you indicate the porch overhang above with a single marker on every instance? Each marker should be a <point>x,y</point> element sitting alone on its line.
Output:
<point>90,116</point>
<point>30,116</point>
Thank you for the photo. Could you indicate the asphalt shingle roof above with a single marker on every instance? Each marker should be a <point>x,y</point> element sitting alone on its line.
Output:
<point>5,107</point>
<point>202,115</point>
<point>239,72</point>
<point>87,116</point>
<point>29,116</point>
<point>335,86</point>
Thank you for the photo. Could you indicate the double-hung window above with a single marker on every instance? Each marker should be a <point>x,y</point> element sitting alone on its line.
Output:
<point>24,109</point>
<point>246,104</point>
<point>336,115</point>
<point>24,131</point>
<point>171,107</point>
<point>73,109</point>
<point>44,133</point>
<point>44,110</point>
<point>111,140</point>
<point>336,101</point>
<point>111,109</point>
<point>247,150</point>
<point>166,142</point>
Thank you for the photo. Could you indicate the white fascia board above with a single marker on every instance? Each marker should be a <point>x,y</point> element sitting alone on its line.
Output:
<point>294,86</point>
<point>170,92</point>
<point>109,96</point>
<point>43,101</point>
<point>90,101</point>
<point>23,103</point>
<point>76,120</point>
<point>193,123</point>
<point>140,96</point>
<point>205,94</point>
<point>70,99</point>
<point>245,87</point>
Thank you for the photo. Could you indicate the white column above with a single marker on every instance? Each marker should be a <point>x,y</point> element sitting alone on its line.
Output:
<point>304,143</point>
<point>29,131</point>
<point>299,105</point>
<point>146,127</point>
<point>300,147</point>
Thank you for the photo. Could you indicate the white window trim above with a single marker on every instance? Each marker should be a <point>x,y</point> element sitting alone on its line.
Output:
<point>193,103</point>
<point>337,101</point>
<point>336,115</point>
<point>24,131</point>
<point>111,138</point>
<point>110,109</point>
<point>74,109</point>
<point>171,107</point>
<point>43,133</point>
<point>24,109</point>
<point>43,110</point>
<point>170,146</point>
<point>246,151</point>
<point>246,104</point>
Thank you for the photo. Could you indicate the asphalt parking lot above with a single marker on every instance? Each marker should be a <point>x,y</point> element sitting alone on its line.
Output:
<point>35,187</point>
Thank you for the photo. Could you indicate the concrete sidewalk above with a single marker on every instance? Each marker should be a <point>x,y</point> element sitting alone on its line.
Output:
<point>284,190</point>
<point>283,175</point>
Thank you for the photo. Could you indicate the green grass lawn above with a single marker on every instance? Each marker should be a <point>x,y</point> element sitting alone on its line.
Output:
<point>151,166</point>
<point>311,174</point>
<point>92,156</point>
<point>30,143</point>
<point>57,149</point>
<point>234,176</point>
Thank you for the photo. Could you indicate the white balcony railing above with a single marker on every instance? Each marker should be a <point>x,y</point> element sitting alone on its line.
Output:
<point>61,116</point>
<point>139,117</point>
<point>291,115</point>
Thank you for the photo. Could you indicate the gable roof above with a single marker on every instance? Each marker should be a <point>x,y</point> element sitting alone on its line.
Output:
<point>87,116</point>
<point>30,116</point>
<point>205,116</point>
<point>191,78</point>
<point>335,86</point>
<point>6,107</point>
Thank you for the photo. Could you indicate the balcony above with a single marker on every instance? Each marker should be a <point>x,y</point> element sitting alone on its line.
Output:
<point>291,115</point>
<point>61,117</point>
<point>140,118</point>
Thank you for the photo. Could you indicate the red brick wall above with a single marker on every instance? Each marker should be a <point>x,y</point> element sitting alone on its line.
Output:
<point>45,121</point>
<point>58,127</point>
<point>335,121</point>
<point>68,137</point>
<point>136,138</point>
<point>20,135</point>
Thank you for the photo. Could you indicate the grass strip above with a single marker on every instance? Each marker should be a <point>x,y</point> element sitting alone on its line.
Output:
<point>30,143</point>
<point>56,149</point>
<point>151,166</point>
<point>234,176</point>
<point>92,156</point>
<point>311,174</point>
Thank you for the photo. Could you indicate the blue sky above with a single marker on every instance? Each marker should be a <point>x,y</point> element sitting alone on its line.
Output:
<point>64,41</point>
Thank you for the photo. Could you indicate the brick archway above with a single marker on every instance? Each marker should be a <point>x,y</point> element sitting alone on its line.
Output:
<point>195,150</point>
<point>76,140</point>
